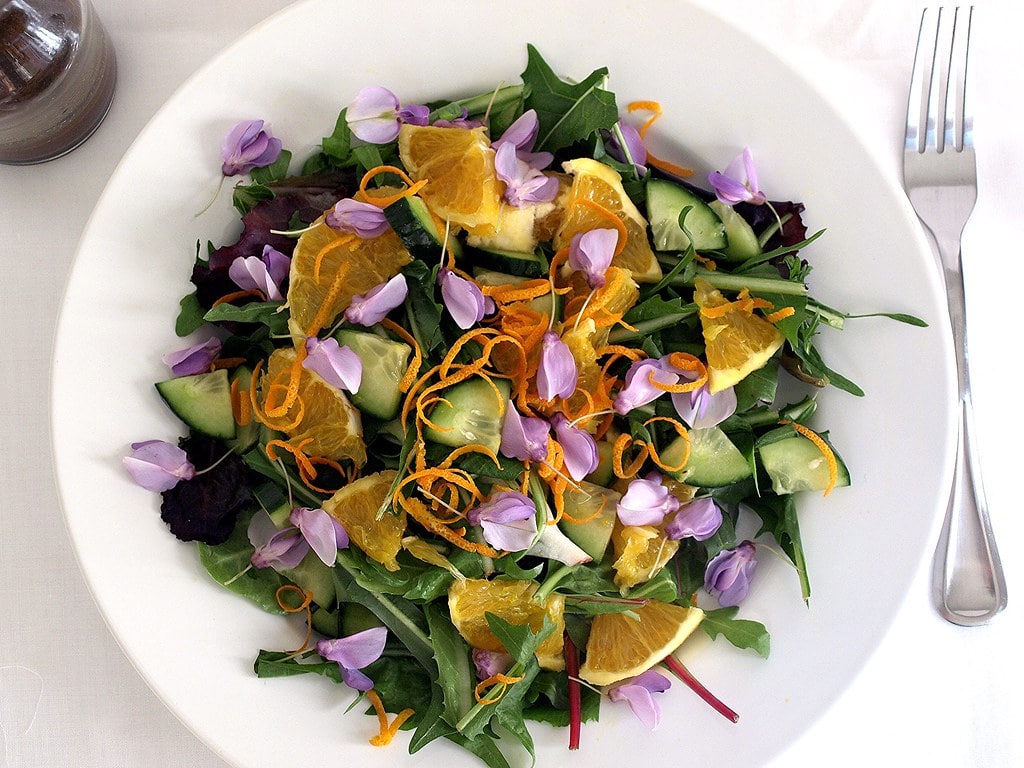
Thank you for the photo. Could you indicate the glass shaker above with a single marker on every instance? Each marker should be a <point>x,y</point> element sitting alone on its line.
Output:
<point>57,73</point>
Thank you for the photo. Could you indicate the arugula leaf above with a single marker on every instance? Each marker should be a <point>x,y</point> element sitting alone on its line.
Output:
<point>190,316</point>
<point>778,517</point>
<point>567,112</point>
<point>456,677</point>
<point>268,313</point>
<point>282,664</point>
<point>743,633</point>
<point>276,171</point>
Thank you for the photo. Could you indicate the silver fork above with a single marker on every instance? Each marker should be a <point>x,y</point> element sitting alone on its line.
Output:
<point>940,178</point>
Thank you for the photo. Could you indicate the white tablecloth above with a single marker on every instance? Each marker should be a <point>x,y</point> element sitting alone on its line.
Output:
<point>933,694</point>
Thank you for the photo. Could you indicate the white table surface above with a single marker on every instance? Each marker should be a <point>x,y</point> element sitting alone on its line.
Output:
<point>932,695</point>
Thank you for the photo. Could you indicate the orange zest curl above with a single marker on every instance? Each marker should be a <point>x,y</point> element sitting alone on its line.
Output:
<point>502,682</point>
<point>417,354</point>
<point>614,222</point>
<point>780,314</point>
<point>230,298</point>
<point>383,201</point>
<point>623,443</point>
<point>418,511</point>
<point>656,111</point>
<point>681,431</point>
<point>307,601</point>
<point>387,730</point>
<point>819,442</point>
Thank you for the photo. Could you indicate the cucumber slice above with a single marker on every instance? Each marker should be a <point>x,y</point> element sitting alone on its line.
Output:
<point>416,228</point>
<point>592,534</point>
<point>796,464</point>
<point>514,263</point>
<point>470,414</point>
<point>202,401</point>
<point>714,460</point>
<point>603,475</point>
<point>384,365</point>
<point>743,243</point>
<point>665,201</point>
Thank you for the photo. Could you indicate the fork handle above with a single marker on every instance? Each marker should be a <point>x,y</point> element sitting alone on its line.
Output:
<point>968,576</point>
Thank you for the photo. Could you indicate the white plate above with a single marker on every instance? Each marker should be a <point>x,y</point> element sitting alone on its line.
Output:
<point>194,642</point>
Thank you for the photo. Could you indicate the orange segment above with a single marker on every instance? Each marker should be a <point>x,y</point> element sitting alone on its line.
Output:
<point>737,341</point>
<point>321,414</point>
<point>623,645</point>
<point>330,267</point>
<point>469,600</point>
<point>355,507</point>
<point>640,552</point>
<point>601,185</point>
<point>458,165</point>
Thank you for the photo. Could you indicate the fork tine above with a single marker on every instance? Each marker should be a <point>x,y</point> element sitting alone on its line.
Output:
<point>921,82</point>
<point>958,120</point>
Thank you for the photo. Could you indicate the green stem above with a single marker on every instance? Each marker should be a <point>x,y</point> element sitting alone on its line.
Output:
<point>478,105</point>
<point>551,582</point>
<point>647,327</point>
<point>722,280</point>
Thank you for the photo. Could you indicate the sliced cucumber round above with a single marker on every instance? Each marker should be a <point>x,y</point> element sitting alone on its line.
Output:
<point>743,243</point>
<point>594,507</point>
<point>470,413</point>
<point>714,461</point>
<point>384,364</point>
<point>796,464</point>
<point>202,401</point>
<point>665,201</point>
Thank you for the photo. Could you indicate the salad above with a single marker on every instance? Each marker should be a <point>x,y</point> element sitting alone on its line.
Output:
<point>479,395</point>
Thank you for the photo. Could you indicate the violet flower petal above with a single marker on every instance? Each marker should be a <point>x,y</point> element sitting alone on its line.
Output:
<point>591,253</point>
<point>318,528</point>
<point>701,409</point>
<point>280,549</point>
<point>730,572</point>
<point>372,116</point>
<point>634,145</point>
<point>490,663</point>
<point>646,501</point>
<point>640,389</point>
<point>524,438</point>
<point>157,465</point>
<point>638,692</point>
<point>508,519</point>
<point>194,359</point>
<point>699,519</point>
<point>556,374</point>
<point>250,273</point>
<point>414,114</point>
<point>523,183</point>
<point>738,184</point>
<point>522,133</point>
<point>462,298</point>
<point>358,218</point>
<point>579,449</point>
<point>374,306</point>
<point>248,145</point>
<point>355,652</point>
<point>337,365</point>
<point>278,264</point>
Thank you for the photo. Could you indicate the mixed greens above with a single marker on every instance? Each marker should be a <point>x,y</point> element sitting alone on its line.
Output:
<point>529,417</point>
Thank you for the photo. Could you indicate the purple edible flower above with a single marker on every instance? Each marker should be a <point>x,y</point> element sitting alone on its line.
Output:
<point>491,663</point>
<point>374,116</point>
<point>248,145</point>
<point>646,501</point>
<point>699,519</point>
<point>194,359</point>
<point>638,692</point>
<point>637,152</point>
<point>524,438</point>
<point>523,183</point>
<point>265,273</point>
<point>729,573</point>
<point>738,184</point>
<point>702,409</point>
<point>508,519</point>
<point>556,373</point>
<point>372,307</point>
<point>337,365</point>
<point>640,387</point>
<point>358,218</point>
<point>324,534</point>
<point>273,547</point>
<point>579,449</point>
<point>157,465</point>
<point>591,253</point>
<point>463,299</point>
<point>353,653</point>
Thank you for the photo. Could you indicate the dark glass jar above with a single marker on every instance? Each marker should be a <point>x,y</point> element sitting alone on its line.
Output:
<point>57,74</point>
